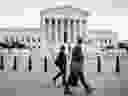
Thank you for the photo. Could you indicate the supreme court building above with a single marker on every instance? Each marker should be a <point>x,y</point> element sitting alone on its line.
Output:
<point>61,25</point>
<point>64,23</point>
<point>57,26</point>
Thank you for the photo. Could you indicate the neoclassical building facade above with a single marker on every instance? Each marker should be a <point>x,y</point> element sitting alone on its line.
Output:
<point>58,26</point>
<point>62,24</point>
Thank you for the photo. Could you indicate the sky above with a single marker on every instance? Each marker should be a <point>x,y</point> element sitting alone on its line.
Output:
<point>105,13</point>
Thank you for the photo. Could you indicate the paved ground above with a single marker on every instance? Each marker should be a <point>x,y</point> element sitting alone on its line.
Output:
<point>31,84</point>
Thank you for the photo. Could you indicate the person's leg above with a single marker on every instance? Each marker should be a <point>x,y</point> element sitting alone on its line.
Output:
<point>61,73</point>
<point>64,77</point>
<point>87,87</point>
<point>57,76</point>
<point>82,79</point>
<point>73,79</point>
<point>67,89</point>
<point>65,82</point>
<point>70,78</point>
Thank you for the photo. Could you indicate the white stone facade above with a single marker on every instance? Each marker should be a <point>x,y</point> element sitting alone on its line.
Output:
<point>55,22</point>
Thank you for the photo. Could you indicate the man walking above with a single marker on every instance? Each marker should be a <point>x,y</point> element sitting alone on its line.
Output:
<point>76,67</point>
<point>61,64</point>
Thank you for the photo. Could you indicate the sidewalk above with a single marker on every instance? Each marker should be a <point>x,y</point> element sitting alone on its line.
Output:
<point>104,83</point>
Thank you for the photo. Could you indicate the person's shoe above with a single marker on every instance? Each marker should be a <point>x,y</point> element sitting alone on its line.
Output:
<point>67,91</point>
<point>54,82</point>
<point>90,90</point>
<point>59,85</point>
<point>75,84</point>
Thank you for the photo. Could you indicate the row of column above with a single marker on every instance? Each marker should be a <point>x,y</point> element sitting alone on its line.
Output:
<point>27,40</point>
<point>63,29</point>
<point>102,43</point>
<point>16,63</point>
<point>103,66</point>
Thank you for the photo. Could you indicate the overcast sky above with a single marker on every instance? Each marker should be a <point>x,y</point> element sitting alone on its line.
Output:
<point>26,12</point>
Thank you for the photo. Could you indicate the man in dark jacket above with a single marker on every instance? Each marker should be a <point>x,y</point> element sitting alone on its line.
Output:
<point>61,64</point>
<point>76,67</point>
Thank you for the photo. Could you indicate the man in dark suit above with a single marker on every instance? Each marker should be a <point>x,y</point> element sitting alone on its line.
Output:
<point>76,67</point>
<point>60,62</point>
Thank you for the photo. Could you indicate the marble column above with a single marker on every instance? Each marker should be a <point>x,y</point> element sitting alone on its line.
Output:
<point>2,63</point>
<point>50,31</point>
<point>69,30</point>
<point>84,29</point>
<point>53,30</point>
<point>65,30</point>
<point>29,63</point>
<point>104,44</point>
<point>46,23</point>
<point>72,30</point>
<point>59,30</point>
<point>26,63</point>
<point>44,45</point>
<point>43,38</point>
<point>117,67</point>
<point>75,30</point>
<point>78,27</point>
<point>45,63</point>
<point>101,43</point>
<point>98,63</point>
<point>15,63</point>
<point>57,25</point>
